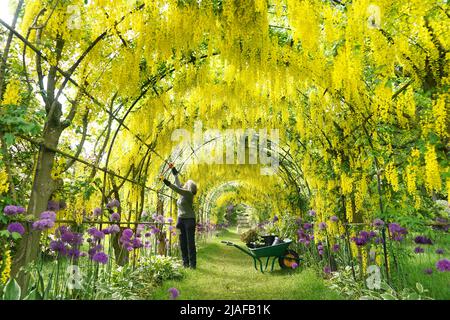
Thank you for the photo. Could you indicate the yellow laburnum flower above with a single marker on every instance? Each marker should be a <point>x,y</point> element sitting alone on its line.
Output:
<point>392,176</point>
<point>440,114</point>
<point>432,176</point>
<point>6,266</point>
<point>12,93</point>
<point>4,185</point>
<point>346,184</point>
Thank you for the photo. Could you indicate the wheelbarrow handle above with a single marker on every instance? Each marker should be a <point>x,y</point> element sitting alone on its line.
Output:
<point>228,243</point>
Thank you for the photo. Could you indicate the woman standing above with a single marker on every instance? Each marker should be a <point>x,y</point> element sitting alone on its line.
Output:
<point>186,218</point>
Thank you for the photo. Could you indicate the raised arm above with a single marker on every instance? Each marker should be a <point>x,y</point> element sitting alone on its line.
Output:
<point>180,190</point>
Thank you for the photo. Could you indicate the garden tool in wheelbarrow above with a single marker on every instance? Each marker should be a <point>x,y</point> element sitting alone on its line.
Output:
<point>286,258</point>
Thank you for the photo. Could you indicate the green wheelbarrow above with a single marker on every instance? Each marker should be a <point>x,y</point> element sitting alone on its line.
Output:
<point>286,258</point>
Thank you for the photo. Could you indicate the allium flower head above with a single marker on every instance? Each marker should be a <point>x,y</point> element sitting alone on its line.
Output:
<point>307,226</point>
<point>16,227</point>
<point>115,217</point>
<point>336,248</point>
<point>97,212</point>
<point>312,213</point>
<point>422,240</point>
<point>378,223</point>
<point>53,205</point>
<point>334,219</point>
<point>443,265</point>
<point>51,215</point>
<point>100,257</point>
<point>428,271</point>
<point>327,270</point>
<point>322,226</point>
<point>397,232</point>
<point>418,250</point>
<point>440,251</point>
<point>173,293</point>
<point>275,219</point>
<point>113,204</point>
<point>11,210</point>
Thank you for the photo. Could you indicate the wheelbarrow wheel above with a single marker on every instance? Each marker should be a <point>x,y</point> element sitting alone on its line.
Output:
<point>288,259</point>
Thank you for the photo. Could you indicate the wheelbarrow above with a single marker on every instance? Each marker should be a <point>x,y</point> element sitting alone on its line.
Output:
<point>286,258</point>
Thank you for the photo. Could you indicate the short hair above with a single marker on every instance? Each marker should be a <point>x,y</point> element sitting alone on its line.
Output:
<point>191,186</point>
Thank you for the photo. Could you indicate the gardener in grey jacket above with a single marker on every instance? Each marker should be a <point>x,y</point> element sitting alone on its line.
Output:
<point>186,218</point>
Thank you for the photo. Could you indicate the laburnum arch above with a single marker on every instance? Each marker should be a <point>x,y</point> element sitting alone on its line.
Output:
<point>358,92</point>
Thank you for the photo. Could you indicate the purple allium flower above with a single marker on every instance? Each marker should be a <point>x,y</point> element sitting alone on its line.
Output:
<point>114,228</point>
<point>443,265</point>
<point>169,220</point>
<point>115,217</point>
<point>322,226</point>
<point>372,234</point>
<point>147,234</point>
<point>422,240</point>
<point>136,243</point>
<point>294,265</point>
<point>67,236</point>
<point>320,247</point>
<point>73,253</point>
<point>334,219</point>
<point>336,248</point>
<point>97,212</point>
<point>312,213</point>
<point>113,204</point>
<point>428,271</point>
<point>43,224</point>
<point>16,227</point>
<point>359,241</point>
<point>11,210</point>
<point>50,215</point>
<point>364,234</point>
<point>128,233</point>
<point>53,205</point>
<point>307,226</point>
<point>58,246</point>
<point>440,251</point>
<point>100,257</point>
<point>159,218</point>
<point>378,223</point>
<point>397,232</point>
<point>418,250</point>
<point>275,219</point>
<point>327,270</point>
<point>173,293</point>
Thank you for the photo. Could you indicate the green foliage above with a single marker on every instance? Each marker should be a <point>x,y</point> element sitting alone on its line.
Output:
<point>12,290</point>
<point>345,284</point>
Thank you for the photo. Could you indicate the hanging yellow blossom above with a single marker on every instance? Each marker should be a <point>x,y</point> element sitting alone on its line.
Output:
<point>4,185</point>
<point>432,175</point>
<point>392,176</point>
<point>6,266</point>
<point>12,91</point>
<point>440,114</point>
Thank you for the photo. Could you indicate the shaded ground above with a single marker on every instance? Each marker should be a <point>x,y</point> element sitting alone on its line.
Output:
<point>225,273</point>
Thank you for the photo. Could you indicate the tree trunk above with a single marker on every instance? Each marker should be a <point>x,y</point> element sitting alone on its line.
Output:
<point>43,187</point>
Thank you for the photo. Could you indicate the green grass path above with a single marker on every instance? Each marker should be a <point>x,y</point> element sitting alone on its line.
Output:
<point>226,273</point>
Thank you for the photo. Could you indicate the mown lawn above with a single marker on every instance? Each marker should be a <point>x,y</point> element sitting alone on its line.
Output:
<point>225,273</point>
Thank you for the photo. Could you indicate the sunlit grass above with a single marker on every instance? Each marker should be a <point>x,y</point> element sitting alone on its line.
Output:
<point>226,273</point>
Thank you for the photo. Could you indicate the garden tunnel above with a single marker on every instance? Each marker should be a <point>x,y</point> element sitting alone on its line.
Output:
<point>360,103</point>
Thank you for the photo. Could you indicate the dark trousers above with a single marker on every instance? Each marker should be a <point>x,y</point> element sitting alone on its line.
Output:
<point>187,241</point>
